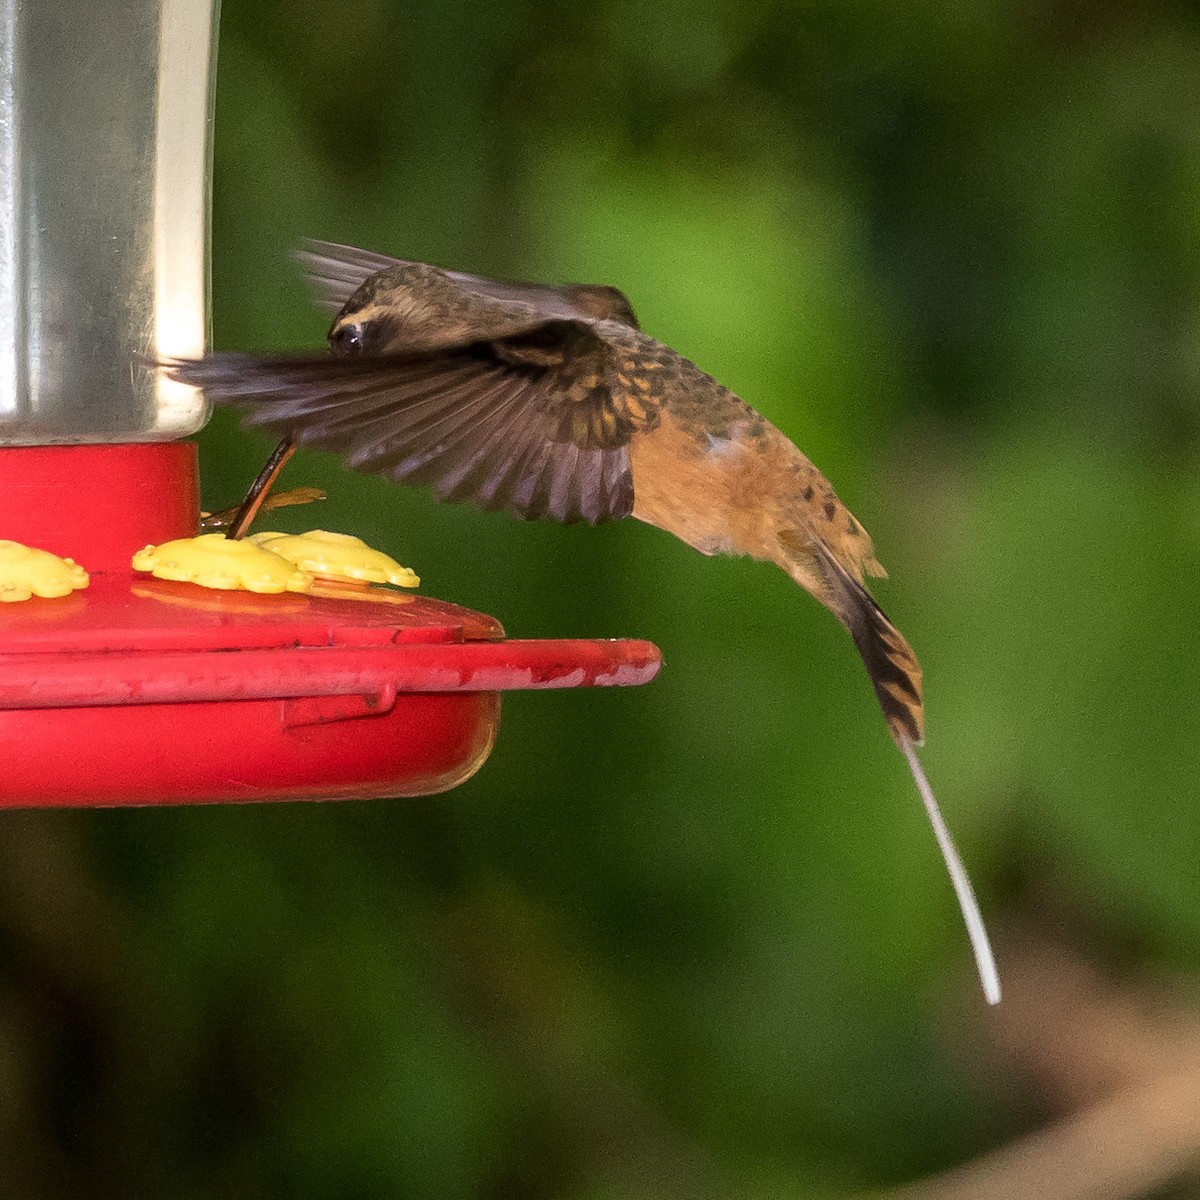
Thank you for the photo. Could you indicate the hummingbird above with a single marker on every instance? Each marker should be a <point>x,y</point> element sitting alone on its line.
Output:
<point>551,401</point>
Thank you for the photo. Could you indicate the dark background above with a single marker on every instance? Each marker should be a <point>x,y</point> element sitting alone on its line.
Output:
<point>692,939</point>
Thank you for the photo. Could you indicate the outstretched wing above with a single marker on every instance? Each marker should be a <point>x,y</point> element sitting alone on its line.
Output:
<point>336,272</point>
<point>527,424</point>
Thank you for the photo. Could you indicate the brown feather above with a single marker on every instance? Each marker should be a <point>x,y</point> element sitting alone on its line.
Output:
<point>891,664</point>
<point>527,423</point>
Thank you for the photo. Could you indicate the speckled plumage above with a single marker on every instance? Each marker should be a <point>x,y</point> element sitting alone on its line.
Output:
<point>551,402</point>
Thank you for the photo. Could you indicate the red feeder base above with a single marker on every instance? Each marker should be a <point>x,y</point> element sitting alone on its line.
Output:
<point>137,691</point>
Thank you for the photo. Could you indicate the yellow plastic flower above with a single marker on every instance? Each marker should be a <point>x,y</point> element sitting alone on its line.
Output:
<point>214,561</point>
<point>337,556</point>
<point>26,572</point>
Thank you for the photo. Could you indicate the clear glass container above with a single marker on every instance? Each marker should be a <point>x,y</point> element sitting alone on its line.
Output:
<point>105,145</point>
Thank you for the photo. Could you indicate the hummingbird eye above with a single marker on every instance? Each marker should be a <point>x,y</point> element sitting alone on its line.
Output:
<point>346,340</point>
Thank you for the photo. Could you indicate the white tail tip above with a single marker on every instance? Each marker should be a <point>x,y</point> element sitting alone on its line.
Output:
<point>985,962</point>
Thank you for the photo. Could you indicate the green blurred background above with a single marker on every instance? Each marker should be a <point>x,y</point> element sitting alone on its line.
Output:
<point>692,939</point>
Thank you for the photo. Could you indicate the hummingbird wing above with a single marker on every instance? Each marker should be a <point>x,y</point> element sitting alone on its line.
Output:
<point>527,424</point>
<point>336,272</point>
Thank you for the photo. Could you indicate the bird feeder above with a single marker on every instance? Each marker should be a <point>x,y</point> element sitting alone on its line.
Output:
<point>117,687</point>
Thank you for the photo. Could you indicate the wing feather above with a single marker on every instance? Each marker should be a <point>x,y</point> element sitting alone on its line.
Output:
<point>511,425</point>
<point>335,272</point>
<point>481,468</point>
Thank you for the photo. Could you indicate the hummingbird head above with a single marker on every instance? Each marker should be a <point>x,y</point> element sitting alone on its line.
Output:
<point>383,316</point>
<point>410,308</point>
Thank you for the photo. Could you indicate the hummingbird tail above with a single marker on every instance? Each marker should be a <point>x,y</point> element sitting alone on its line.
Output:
<point>896,676</point>
<point>891,664</point>
<point>894,671</point>
<point>981,947</point>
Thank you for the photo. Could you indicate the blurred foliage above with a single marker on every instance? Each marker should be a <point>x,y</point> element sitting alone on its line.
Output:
<point>692,939</point>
